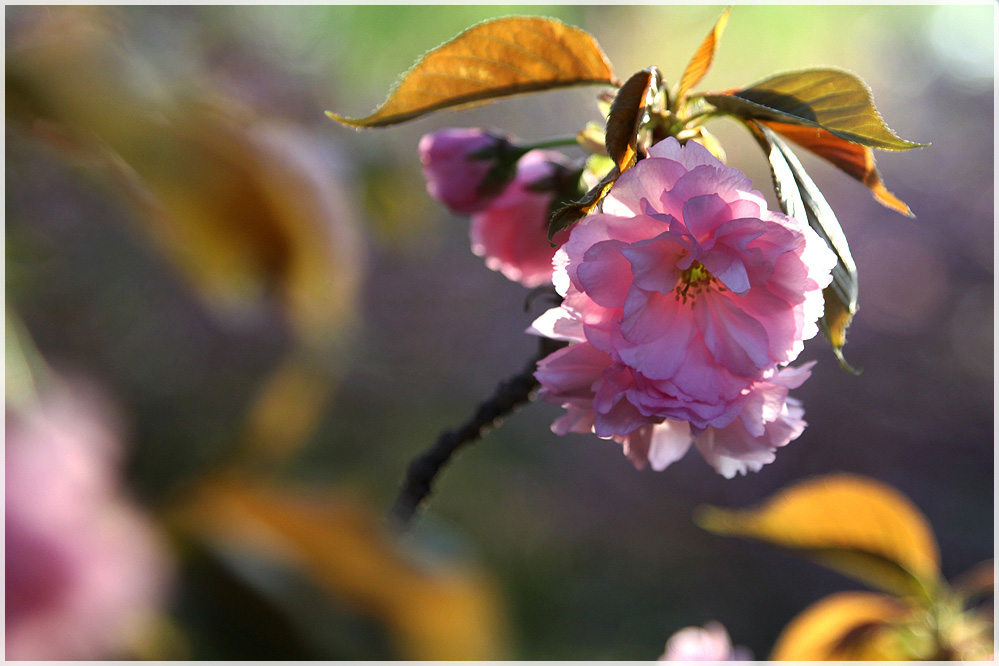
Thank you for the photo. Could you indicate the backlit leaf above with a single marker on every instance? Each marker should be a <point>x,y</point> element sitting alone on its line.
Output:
<point>592,139</point>
<point>496,58</point>
<point>571,213</point>
<point>627,114</point>
<point>848,626</point>
<point>800,198</point>
<point>701,62</point>
<point>702,136</point>
<point>854,159</point>
<point>827,98</point>
<point>442,614</point>
<point>857,526</point>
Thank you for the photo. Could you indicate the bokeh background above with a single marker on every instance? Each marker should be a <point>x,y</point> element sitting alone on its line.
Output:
<point>278,318</point>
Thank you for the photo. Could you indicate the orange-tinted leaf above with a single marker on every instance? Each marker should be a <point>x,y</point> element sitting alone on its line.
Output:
<point>497,58</point>
<point>827,98</point>
<point>701,62</point>
<point>800,198</point>
<point>854,159</point>
<point>627,114</point>
<point>848,626</point>
<point>857,526</point>
<point>434,615</point>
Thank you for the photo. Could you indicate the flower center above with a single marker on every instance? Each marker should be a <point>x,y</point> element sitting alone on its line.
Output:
<point>695,280</point>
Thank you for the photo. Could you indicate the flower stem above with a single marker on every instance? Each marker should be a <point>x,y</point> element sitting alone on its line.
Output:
<point>423,469</point>
<point>556,142</point>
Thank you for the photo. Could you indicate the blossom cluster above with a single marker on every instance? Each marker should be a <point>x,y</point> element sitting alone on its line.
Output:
<point>684,299</point>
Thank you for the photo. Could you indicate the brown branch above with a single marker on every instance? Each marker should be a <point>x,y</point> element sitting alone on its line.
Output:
<point>423,469</point>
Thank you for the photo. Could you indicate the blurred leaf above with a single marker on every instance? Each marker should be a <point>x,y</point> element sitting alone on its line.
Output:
<point>247,207</point>
<point>571,213</point>
<point>800,198</point>
<point>496,58</point>
<point>857,526</point>
<point>848,626</point>
<point>286,411</point>
<point>446,614</point>
<point>830,99</point>
<point>24,367</point>
<point>854,159</point>
<point>701,62</point>
<point>978,581</point>
<point>628,112</point>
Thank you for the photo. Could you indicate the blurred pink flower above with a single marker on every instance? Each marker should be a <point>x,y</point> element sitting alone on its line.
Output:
<point>710,643</point>
<point>84,569</point>
<point>692,287</point>
<point>595,389</point>
<point>512,232</point>
<point>455,175</point>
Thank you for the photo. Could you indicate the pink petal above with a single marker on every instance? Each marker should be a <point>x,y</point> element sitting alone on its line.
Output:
<point>571,372</point>
<point>605,274</point>
<point>558,324</point>
<point>736,340</point>
<point>703,214</point>
<point>654,263</point>
<point>655,176</point>
<point>670,442</point>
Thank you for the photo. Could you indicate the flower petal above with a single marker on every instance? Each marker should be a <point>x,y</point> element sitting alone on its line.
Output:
<point>605,273</point>
<point>738,341</point>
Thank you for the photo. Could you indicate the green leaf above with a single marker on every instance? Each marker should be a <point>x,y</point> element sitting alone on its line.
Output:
<point>701,62</point>
<point>628,112</point>
<point>857,526</point>
<point>827,98</point>
<point>496,58</point>
<point>801,199</point>
<point>569,214</point>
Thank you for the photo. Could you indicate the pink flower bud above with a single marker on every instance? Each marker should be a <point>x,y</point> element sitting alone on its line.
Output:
<point>512,232</point>
<point>455,175</point>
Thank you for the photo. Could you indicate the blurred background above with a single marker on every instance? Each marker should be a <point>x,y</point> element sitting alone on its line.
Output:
<point>235,322</point>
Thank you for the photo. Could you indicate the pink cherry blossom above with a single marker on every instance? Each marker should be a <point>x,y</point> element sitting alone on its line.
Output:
<point>512,232</point>
<point>692,288</point>
<point>710,643</point>
<point>454,175</point>
<point>594,390</point>
<point>85,570</point>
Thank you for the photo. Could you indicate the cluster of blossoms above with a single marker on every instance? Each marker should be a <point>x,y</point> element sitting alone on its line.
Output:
<point>684,299</point>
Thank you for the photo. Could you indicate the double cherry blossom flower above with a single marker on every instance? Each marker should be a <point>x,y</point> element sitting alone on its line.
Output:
<point>684,299</point>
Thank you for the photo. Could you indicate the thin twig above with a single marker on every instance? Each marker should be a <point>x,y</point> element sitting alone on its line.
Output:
<point>423,469</point>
